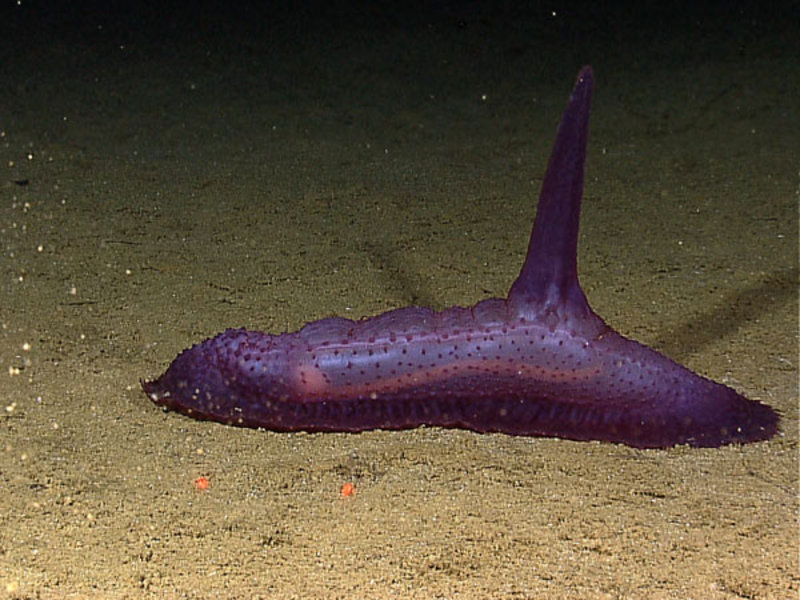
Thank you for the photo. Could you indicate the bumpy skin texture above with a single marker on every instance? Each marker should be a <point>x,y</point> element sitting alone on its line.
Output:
<point>537,363</point>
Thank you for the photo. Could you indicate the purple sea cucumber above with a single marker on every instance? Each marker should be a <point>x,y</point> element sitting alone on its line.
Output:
<point>539,362</point>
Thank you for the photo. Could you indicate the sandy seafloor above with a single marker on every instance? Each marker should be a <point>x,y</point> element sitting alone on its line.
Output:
<point>167,176</point>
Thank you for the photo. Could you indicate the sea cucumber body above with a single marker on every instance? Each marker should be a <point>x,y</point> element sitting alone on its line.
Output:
<point>484,368</point>
<point>539,362</point>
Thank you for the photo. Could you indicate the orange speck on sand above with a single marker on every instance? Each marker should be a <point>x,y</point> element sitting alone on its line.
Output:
<point>348,489</point>
<point>202,483</point>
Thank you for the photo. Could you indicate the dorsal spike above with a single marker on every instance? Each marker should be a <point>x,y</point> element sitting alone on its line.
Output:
<point>549,277</point>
